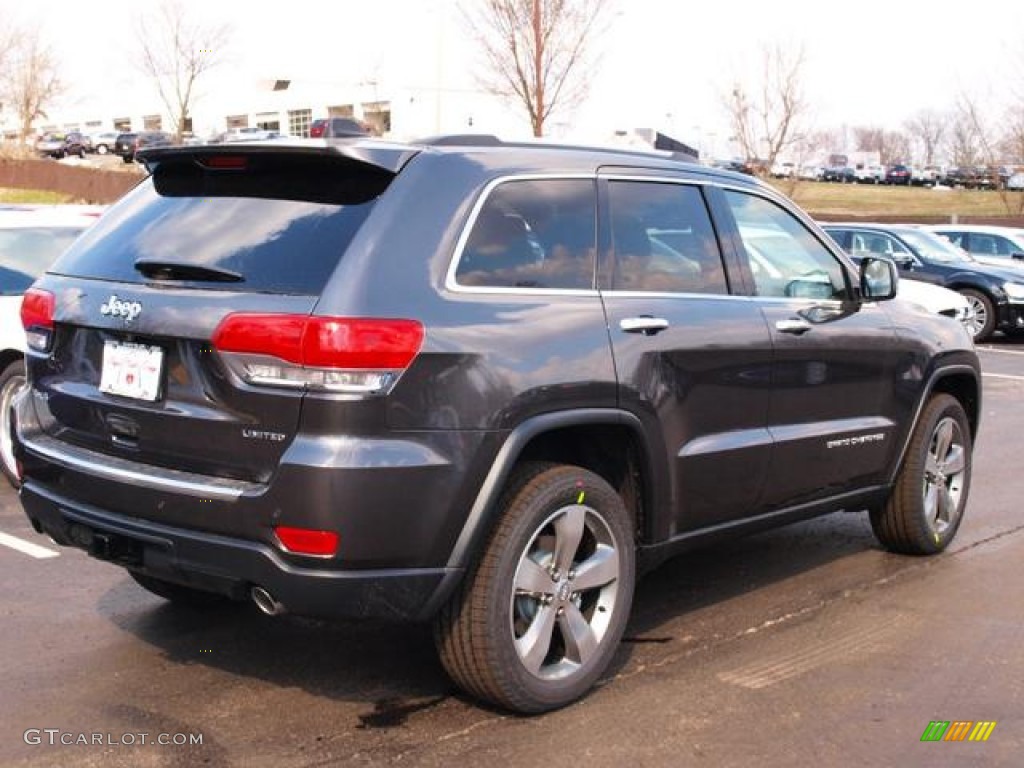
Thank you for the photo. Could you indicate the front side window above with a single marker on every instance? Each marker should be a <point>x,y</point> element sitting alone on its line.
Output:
<point>535,233</point>
<point>662,239</point>
<point>786,259</point>
<point>876,244</point>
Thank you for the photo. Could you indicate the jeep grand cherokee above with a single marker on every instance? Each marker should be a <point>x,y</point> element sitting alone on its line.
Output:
<point>476,383</point>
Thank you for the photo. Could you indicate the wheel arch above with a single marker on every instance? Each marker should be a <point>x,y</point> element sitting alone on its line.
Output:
<point>959,381</point>
<point>8,356</point>
<point>606,441</point>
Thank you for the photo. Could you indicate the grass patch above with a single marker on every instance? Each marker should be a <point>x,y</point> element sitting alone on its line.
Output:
<point>33,196</point>
<point>860,200</point>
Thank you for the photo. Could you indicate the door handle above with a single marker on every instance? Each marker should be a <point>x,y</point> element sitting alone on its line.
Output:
<point>644,324</point>
<point>794,325</point>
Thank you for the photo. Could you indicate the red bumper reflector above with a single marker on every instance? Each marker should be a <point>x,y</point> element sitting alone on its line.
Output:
<point>306,541</point>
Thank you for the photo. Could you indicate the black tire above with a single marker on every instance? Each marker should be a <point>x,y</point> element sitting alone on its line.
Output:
<point>927,503</point>
<point>523,588</point>
<point>984,312</point>
<point>12,379</point>
<point>127,158</point>
<point>180,594</point>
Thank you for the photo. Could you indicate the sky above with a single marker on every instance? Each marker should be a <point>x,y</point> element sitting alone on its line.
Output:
<point>660,63</point>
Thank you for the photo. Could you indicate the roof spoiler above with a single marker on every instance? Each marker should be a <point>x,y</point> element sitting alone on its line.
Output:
<point>381,155</point>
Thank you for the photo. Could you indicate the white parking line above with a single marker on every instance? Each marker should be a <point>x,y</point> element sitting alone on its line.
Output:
<point>1003,376</point>
<point>1001,351</point>
<point>27,547</point>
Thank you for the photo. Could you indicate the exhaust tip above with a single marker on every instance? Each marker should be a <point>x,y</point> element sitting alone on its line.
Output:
<point>266,602</point>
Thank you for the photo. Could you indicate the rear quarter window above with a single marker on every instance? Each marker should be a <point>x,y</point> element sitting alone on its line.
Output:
<point>536,233</point>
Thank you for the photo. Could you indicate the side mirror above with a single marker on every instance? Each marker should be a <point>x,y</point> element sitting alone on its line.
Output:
<point>878,279</point>
<point>1017,256</point>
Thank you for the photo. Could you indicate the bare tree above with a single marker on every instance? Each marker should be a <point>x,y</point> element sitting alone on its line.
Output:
<point>896,146</point>
<point>535,51</point>
<point>771,118</point>
<point>1012,144</point>
<point>891,146</point>
<point>971,142</point>
<point>982,146</point>
<point>31,80</point>
<point>928,128</point>
<point>175,53</point>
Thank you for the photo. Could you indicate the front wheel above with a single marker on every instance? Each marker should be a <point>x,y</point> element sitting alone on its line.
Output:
<point>984,322</point>
<point>927,503</point>
<point>538,619</point>
<point>12,379</point>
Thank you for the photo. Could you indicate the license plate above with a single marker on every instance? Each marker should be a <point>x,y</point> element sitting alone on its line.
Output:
<point>131,370</point>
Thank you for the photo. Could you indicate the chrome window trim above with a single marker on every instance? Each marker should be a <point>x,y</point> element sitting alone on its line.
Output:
<point>451,284</point>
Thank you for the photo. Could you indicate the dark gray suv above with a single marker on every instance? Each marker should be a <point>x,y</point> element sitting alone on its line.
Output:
<point>476,383</point>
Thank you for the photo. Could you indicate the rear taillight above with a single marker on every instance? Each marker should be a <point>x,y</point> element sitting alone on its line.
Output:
<point>37,308</point>
<point>335,354</point>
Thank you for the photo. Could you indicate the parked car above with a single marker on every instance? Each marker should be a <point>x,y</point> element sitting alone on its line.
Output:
<point>60,145</point>
<point>248,134</point>
<point>783,170</point>
<point>843,174</point>
<point>810,173</point>
<point>996,294</point>
<point>1016,182</point>
<point>336,127</point>
<point>928,176</point>
<point>970,178</point>
<point>869,174</point>
<point>31,237</point>
<point>102,143</point>
<point>988,244</point>
<point>127,144</point>
<point>899,175</point>
<point>365,378</point>
<point>941,301</point>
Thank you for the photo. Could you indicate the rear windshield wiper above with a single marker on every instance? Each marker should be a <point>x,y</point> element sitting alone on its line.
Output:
<point>173,270</point>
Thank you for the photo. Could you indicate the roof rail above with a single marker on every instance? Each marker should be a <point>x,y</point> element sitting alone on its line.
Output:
<point>461,140</point>
<point>673,151</point>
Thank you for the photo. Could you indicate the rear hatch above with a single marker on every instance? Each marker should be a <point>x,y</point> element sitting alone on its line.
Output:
<point>132,371</point>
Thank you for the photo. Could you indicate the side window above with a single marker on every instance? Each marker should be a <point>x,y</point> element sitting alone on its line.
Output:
<point>662,239</point>
<point>876,244</point>
<point>1004,246</point>
<point>956,238</point>
<point>786,259</point>
<point>537,233</point>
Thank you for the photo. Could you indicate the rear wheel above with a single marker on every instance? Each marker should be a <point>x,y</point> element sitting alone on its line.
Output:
<point>927,504</point>
<point>538,619</point>
<point>180,594</point>
<point>12,379</point>
<point>984,313</point>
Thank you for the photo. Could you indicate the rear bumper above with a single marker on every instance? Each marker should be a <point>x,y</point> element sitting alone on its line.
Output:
<point>231,566</point>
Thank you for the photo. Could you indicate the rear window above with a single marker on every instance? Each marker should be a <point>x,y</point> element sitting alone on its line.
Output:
<point>280,226</point>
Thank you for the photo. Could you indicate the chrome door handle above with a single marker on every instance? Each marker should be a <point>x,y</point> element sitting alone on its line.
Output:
<point>794,325</point>
<point>646,325</point>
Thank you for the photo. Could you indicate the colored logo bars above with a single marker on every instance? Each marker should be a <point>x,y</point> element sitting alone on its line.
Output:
<point>958,730</point>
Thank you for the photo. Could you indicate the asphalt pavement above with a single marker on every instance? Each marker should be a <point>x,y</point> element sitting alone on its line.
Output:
<point>806,646</point>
